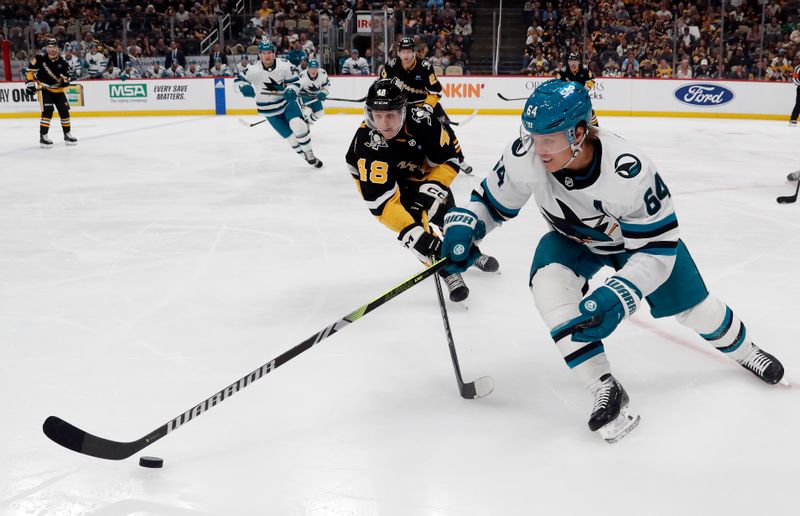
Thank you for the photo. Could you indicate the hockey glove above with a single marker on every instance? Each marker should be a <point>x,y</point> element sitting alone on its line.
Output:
<point>30,88</point>
<point>321,96</point>
<point>430,198</point>
<point>420,242</point>
<point>604,309</point>
<point>461,229</point>
<point>247,90</point>
<point>290,94</point>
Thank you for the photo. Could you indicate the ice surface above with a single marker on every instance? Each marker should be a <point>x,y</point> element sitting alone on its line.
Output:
<point>163,258</point>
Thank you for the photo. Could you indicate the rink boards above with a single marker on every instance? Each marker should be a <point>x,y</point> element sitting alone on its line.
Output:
<point>611,96</point>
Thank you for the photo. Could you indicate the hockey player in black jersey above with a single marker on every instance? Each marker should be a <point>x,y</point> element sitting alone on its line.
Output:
<point>403,161</point>
<point>418,80</point>
<point>575,72</point>
<point>51,71</point>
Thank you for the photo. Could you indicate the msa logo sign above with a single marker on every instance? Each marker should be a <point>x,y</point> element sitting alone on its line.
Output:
<point>127,91</point>
<point>704,95</point>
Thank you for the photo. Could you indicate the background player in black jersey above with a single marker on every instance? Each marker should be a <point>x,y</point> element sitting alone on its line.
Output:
<point>403,161</point>
<point>418,80</point>
<point>575,72</point>
<point>52,73</point>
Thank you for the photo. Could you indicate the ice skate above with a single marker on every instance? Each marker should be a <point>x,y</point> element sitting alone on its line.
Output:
<point>69,139</point>
<point>45,142</point>
<point>456,286</point>
<point>487,263</point>
<point>612,417</point>
<point>763,365</point>
<point>792,123</point>
<point>793,176</point>
<point>312,160</point>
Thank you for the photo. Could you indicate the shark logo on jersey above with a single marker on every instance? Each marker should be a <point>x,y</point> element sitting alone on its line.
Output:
<point>376,141</point>
<point>575,228</point>
<point>627,166</point>
<point>272,86</point>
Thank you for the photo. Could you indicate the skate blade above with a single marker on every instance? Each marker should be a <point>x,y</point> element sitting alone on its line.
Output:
<point>70,144</point>
<point>620,427</point>
<point>785,382</point>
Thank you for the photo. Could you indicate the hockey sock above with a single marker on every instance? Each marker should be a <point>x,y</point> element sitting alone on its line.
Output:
<point>717,324</point>
<point>44,126</point>
<point>557,292</point>
<point>65,125</point>
<point>301,134</point>
<point>295,146</point>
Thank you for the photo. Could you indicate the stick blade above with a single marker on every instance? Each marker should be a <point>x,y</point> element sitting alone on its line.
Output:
<point>480,388</point>
<point>63,433</point>
<point>786,199</point>
<point>243,122</point>
<point>71,437</point>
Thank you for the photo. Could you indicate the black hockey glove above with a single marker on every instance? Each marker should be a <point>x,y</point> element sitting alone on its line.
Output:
<point>30,88</point>
<point>421,243</point>
<point>431,197</point>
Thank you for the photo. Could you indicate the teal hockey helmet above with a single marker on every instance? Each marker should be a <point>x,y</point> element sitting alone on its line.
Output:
<point>557,106</point>
<point>266,46</point>
<point>313,63</point>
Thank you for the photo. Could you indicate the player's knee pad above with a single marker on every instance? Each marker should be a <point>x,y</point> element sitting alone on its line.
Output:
<point>299,128</point>
<point>48,110</point>
<point>556,293</point>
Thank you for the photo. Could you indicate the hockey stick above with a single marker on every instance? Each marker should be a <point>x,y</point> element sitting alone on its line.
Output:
<point>362,99</point>
<point>467,120</point>
<point>482,386</point>
<point>248,124</point>
<point>788,199</point>
<point>510,99</point>
<point>75,439</point>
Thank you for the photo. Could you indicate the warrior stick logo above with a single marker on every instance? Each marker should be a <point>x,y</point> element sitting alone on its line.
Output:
<point>627,166</point>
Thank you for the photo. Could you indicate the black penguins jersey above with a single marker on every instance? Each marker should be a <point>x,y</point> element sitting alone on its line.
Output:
<point>424,150</point>
<point>419,82</point>
<point>52,74</point>
<point>583,76</point>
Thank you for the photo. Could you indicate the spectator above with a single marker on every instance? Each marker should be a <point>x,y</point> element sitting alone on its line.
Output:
<point>119,58</point>
<point>95,62</point>
<point>646,69</point>
<point>355,65</point>
<point>630,66</point>
<point>664,70</point>
<point>703,70</point>
<point>181,15</point>
<point>175,55</point>
<point>217,54</point>
<point>40,26</point>
<point>684,71</point>
<point>296,55</point>
<point>74,63</point>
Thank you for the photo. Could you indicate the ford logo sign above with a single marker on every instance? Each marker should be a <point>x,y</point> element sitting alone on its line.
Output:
<point>704,95</point>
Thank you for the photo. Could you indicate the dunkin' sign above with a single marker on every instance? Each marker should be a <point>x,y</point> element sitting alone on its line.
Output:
<point>463,90</point>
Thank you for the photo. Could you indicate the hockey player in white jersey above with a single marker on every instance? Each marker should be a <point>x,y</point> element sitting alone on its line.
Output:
<point>275,85</point>
<point>607,205</point>
<point>314,84</point>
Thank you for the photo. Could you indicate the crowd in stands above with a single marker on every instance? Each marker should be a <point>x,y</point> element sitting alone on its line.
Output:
<point>664,39</point>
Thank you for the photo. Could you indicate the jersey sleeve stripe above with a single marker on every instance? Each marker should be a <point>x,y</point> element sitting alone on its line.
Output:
<point>658,248</point>
<point>507,213</point>
<point>650,230</point>
<point>380,201</point>
<point>478,197</point>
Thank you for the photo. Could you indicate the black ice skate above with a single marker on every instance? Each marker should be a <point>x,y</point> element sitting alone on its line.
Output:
<point>313,160</point>
<point>611,416</point>
<point>763,365</point>
<point>45,142</point>
<point>69,139</point>
<point>487,263</point>
<point>455,284</point>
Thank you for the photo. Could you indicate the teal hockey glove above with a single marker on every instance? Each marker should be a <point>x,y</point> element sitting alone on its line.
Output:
<point>604,309</point>
<point>247,90</point>
<point>461,229</point>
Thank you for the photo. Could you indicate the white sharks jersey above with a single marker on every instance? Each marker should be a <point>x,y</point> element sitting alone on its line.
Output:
<point>269,84</point>
<point>310,87</point>
<point>620,204</point>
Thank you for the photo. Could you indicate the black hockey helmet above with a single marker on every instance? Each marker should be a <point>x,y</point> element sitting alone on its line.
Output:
<point>50,41</point>
<point>406,43</point>
<point>574,56</point>
<point>385,95</point>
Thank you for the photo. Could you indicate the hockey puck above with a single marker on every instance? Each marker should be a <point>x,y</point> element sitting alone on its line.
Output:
<point>151,462</point>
